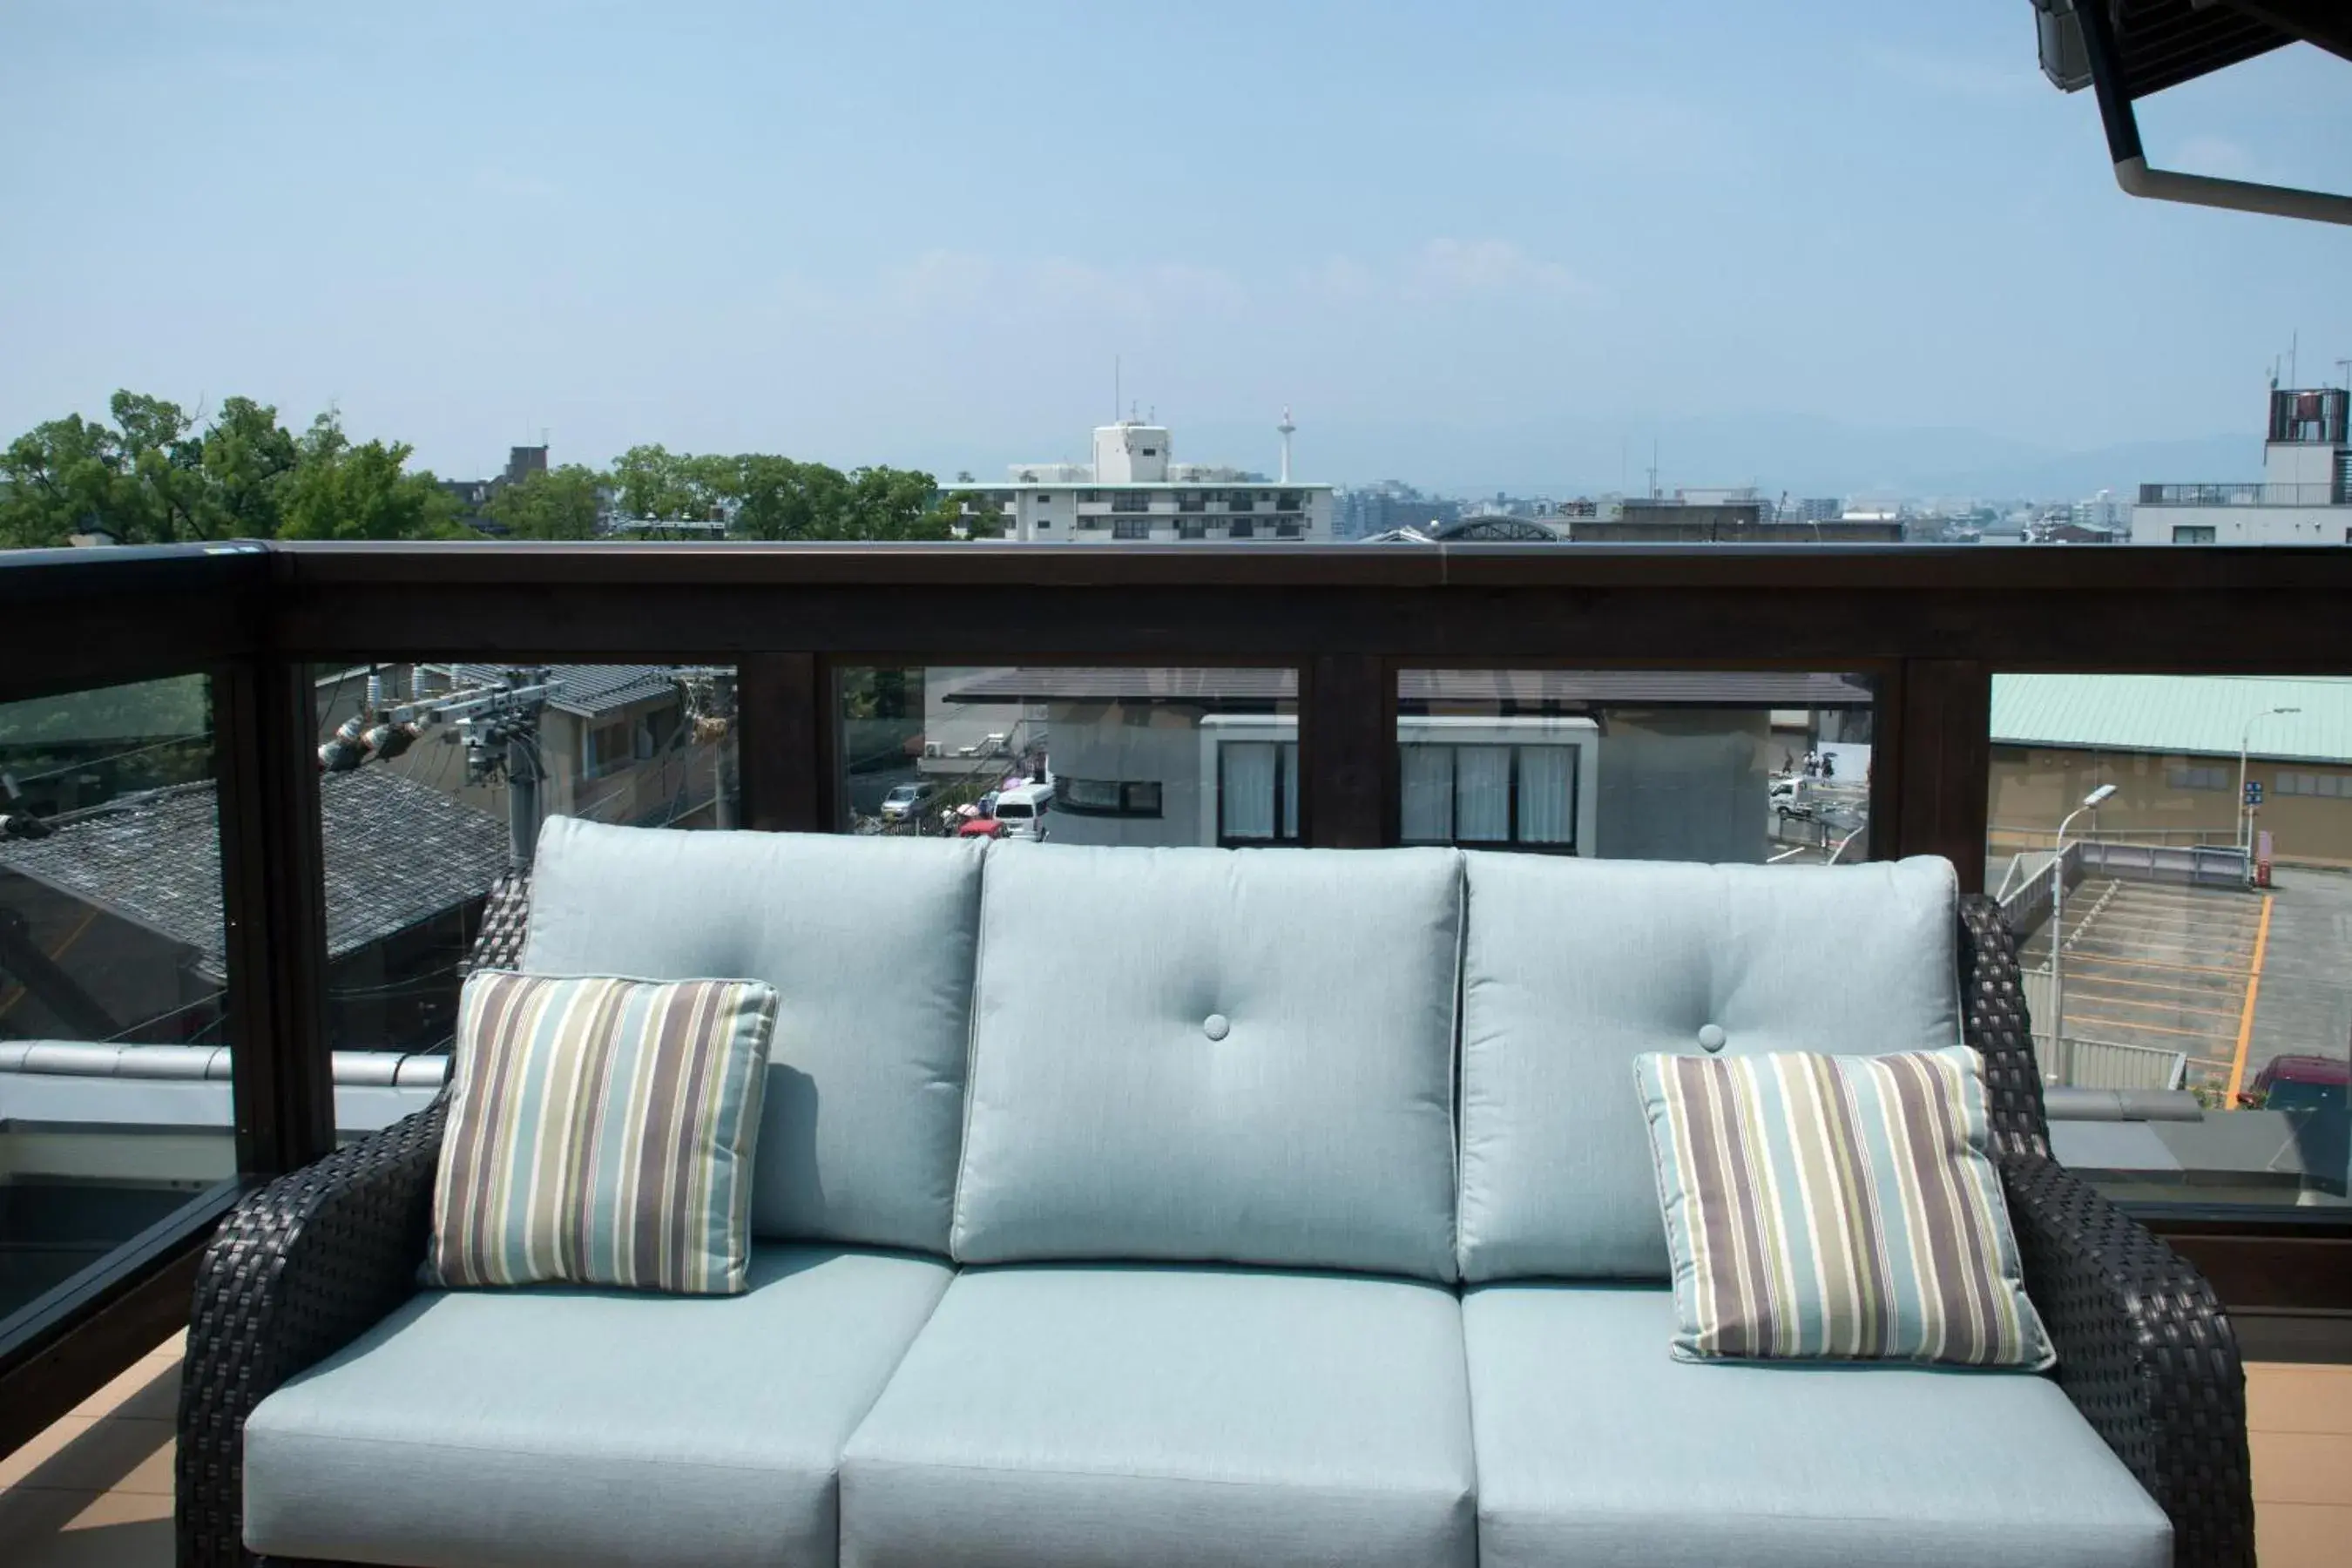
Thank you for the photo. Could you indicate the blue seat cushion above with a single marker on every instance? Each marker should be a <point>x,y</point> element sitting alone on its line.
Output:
<point>588,1427</point>
<point>1169,1417</point>
<point>1597,1447</point>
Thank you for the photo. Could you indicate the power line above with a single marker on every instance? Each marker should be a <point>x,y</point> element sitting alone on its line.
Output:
<point>111,757</point>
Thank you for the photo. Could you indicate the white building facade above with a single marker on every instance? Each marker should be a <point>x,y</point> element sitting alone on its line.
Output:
<point>2305,496</point>
<point>1134,491</point>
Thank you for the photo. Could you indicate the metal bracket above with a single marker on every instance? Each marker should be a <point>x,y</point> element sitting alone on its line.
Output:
<point>2132,171</point>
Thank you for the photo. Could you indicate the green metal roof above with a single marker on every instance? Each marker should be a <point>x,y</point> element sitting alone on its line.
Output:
<point>2191,714</point>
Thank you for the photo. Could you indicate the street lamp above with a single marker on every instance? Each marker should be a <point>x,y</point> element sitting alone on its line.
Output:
<point>2246,817</point>
<point>2058,916</point>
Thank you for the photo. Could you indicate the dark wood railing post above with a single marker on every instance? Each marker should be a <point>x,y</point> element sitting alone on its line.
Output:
<point>1939,713</point>
<point>786,755</point>
<point>1347,752</point>
<point>273,889</point>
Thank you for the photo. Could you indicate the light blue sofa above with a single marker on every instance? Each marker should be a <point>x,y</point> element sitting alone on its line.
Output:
<point>1191,1208</point>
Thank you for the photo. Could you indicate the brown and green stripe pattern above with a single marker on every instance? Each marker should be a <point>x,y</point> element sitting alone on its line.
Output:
<point>1836,1207</point>
<point>601,1132</point>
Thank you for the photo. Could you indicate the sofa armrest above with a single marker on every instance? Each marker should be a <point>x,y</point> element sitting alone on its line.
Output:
<point>2144,1352</point>
<point>296,1271</point>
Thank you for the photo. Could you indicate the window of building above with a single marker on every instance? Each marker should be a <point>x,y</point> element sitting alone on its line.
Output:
<point>606,747</point>
<point>1108,797</point>
<point>1192,531</point>
<point>1150,452</point>
<point>1288,530</point>
<point>2197,776</point>
<point>1290,500</point>
<point>1131,528</point>
<point>2327,787</point>
<point>2192,533</point>
<point>1045,500</point>
<point>1489,794</point>
<point>1239,501</point>
<point>1130,500</point>
<point>1191,500</point>
<point>1242,528</point>
<point>1258,792</point>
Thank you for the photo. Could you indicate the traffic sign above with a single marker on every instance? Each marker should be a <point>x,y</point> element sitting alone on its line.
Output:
<point>2254,791</point>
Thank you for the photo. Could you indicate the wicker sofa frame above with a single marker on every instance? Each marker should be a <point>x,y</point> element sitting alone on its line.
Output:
<point>305,1265</point>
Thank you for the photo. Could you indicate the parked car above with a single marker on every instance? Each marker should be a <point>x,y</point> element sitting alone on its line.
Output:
<point>2300,1083</point>
<point>1789,800</point>
<point>907,800</point>
<point>1022,810</point>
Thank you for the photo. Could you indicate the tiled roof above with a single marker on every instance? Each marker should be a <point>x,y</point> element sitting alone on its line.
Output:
<point>397,853</point>
<point>1416,687</point>
<point>587,689</point>
<point>2197,715</point>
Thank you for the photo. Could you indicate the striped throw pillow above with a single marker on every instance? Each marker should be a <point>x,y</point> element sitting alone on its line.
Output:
<point>1823,1207</point>
<point>601,1132</point>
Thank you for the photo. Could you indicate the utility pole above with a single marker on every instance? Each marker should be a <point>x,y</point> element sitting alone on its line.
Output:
<point>501,714</point>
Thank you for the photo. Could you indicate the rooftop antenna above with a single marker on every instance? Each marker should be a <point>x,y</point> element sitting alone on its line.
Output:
<point>2292,344</point>
<point>1285,427</point>
<point>2346,366</point>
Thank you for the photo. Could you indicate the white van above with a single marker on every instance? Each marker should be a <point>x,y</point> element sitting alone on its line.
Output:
<point>1022,810</point>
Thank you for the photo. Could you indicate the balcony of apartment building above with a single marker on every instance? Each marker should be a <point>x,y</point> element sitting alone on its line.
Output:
<point>223,953</point>
<point>2257,493</point>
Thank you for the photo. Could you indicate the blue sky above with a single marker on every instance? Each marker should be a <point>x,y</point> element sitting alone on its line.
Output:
<point>1797,244</point>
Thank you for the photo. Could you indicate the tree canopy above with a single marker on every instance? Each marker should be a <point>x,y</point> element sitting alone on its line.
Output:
<point>158,475</point>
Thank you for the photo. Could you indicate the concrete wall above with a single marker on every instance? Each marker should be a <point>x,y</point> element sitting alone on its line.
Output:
<point>2245,524</point>
<point>2034,788</point>
<point>1130,743</point>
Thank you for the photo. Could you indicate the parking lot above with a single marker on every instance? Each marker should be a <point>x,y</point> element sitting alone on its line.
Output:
<point>2230,978</point>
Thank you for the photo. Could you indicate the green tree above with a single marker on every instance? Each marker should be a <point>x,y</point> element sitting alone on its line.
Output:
<point>248,456</point>
<point>655,482</point>
<point>339,489</point>
<point>557,503</point>
<point>64,477</point>
<point>895,505</point>
<point>778,498</point>
<point>975,512</point>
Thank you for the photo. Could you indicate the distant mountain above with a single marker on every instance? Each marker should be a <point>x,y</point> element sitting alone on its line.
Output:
<point>1801,455</point>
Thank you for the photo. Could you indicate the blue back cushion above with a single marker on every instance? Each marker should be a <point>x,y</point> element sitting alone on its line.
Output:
<point>869,946</point>
<point>1573,968</point>
<point>1240,1056</point>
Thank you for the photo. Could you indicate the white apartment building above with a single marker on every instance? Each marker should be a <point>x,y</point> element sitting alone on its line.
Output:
<point>1135,491</point>
<point>2305,496</point>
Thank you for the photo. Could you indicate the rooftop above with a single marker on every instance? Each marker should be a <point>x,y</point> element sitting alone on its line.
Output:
<point>2193,715</point>
<point>590,690</point>
<point>397,852</point>
<point>1567,689</point>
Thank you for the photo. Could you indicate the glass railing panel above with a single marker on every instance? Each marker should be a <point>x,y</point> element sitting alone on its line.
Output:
<point>1073,756</point>
<point>2174,855</point>
<point>115,1100</point>
<point>1728,767</point>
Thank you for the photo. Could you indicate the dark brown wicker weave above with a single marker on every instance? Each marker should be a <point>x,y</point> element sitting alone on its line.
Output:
<point>2147,1354</point>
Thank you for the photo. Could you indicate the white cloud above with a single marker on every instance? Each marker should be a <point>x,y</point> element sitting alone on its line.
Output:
<point>1454,268</point>
<point>2218,156</point>
<point>1442,269</point>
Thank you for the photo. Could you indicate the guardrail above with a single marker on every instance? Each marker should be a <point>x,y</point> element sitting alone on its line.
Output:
<point>2253,493</point>
<point>1924,625</point>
